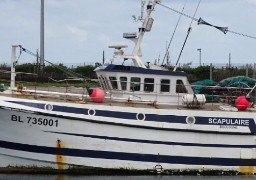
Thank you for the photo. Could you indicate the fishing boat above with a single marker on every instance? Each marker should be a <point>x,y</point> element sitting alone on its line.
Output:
<point>143,118</point>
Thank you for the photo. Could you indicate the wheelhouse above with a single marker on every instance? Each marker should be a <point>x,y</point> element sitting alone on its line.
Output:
<point>146,84</point>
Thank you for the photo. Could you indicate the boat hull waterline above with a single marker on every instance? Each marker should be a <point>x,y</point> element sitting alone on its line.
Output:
<point>143,118</point>
<point>114,137</point>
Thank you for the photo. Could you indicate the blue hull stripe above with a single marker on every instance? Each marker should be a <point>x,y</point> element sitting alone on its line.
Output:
<point>154,158</point>
<point>141,126</point>
<point>113,114</point>
<point>157,142</point>
<point>149,117</point>
<point>123,115</point>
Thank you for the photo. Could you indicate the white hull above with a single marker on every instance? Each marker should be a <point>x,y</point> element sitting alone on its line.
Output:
<point>143,118</point>
<point>63,139</point>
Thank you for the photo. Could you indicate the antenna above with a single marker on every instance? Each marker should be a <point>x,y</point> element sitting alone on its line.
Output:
<point>146,26</point>
<point>142,10</point>
<point>140,18</point>
<point>189,30</point>
<point>103,58</point>
<point>42,36</point>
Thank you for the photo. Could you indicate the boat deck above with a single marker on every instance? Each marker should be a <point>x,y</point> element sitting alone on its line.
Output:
<point>80,96</point>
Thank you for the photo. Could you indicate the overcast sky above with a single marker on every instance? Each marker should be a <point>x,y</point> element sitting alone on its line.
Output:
<point>78,31</point>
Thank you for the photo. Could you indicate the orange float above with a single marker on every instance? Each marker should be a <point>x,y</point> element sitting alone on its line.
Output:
<point>242,103</point>
<point>97,95</point>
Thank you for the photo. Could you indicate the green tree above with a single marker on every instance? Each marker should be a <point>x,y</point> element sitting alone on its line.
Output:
<point>87,71</point>
<point>27,68</point>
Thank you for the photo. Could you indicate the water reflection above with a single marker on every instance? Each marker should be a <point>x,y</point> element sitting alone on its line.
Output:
<point>82,177</point>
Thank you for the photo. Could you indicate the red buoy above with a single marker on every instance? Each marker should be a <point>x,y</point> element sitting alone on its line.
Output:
<point>97,95</point>
<point>242,103</point>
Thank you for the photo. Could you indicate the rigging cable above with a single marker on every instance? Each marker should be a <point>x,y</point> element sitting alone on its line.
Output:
<point>165,56</point>
<point>181,13</point>
<point>189,30</point>
<point>198,20</point>
<point>241,34</point>
<point>60,68</point>
<point>18,57</point>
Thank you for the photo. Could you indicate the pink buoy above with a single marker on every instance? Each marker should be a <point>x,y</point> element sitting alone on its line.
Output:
<point>242,103</point>
<point>97,95</point>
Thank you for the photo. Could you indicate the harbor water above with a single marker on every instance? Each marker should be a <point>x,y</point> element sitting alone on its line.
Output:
<point>79,177</point>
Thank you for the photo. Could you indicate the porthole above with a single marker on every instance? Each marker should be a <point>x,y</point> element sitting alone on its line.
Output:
<point>48,107</point>
<point>91,112</point>
<point>190,120</point>
<point>140,116</point>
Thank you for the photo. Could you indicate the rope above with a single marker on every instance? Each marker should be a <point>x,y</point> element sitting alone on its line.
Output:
<point>181,13</point>
<point>195,19</point>
<point>58,67</point>
<point>19,56</point>
<point>241,34</point>
<point>173,34</point>
<point>189,30</point>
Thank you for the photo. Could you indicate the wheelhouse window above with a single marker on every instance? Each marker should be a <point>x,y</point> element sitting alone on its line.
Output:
<point>165,85</point>
<point>123,81</point>
<point>149,84</point>
<point>103,83</point>
<point>180,87</point>
<point>113,82</point>
<point>135,84</point>
<point>107,83</point>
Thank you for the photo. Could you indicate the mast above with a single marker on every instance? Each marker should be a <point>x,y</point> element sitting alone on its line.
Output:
<point>13,64</point>
<point>146,27</point>
<point>42,35</point>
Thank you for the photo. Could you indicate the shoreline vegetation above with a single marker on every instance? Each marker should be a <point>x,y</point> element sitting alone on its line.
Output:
<point>59,75</point>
